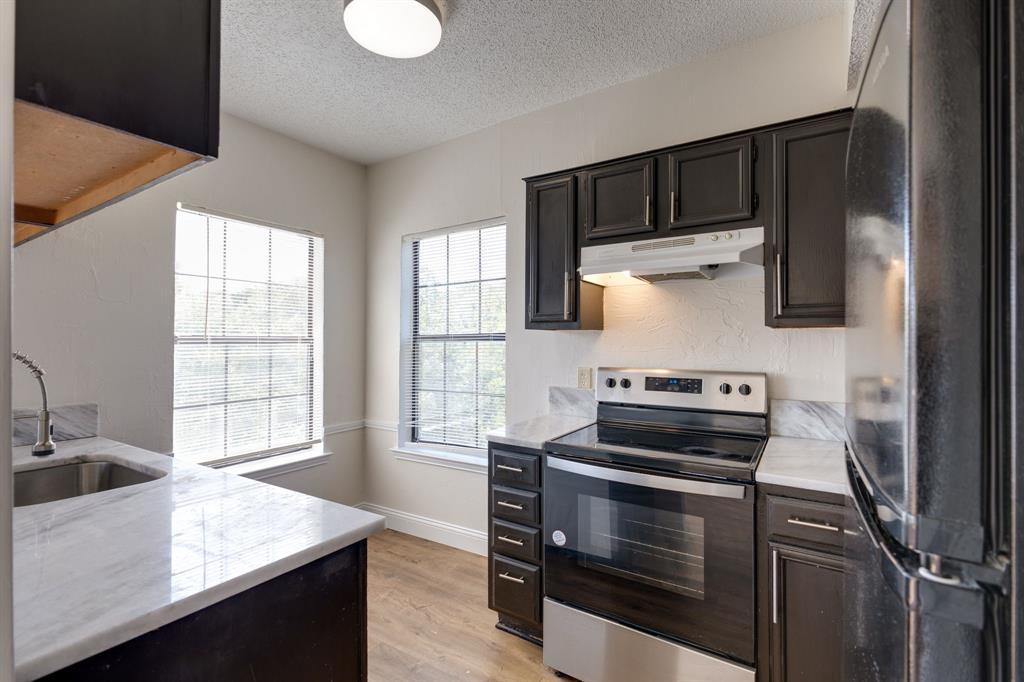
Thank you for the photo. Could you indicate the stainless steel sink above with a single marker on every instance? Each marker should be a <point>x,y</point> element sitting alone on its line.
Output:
<point>60,482</point>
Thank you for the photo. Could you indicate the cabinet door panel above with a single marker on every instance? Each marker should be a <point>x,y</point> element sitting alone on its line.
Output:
<point>809,235</point>
<point>551,250</point>
<point>807,615</point>
<point>620,199</point>
<point>711,183</point>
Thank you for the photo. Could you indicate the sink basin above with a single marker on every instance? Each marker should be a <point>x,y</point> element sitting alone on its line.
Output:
<point>62,481</point>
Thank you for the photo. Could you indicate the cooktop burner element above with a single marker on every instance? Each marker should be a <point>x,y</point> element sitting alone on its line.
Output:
<point>678,421</point>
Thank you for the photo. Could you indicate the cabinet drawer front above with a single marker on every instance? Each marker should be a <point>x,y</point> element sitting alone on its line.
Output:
<point>515,588</point>
<point>515,505</point>
<point>808,521</point>
<point>711,183</point>
<point>514,468</point>
<point>516,541</point>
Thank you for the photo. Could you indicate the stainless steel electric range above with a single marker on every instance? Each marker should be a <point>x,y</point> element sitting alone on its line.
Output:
<point>649,529</point>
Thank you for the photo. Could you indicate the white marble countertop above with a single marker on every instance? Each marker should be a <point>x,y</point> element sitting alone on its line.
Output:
<point>803,463</point>
<point>532,433</point>
<point>94,571</point>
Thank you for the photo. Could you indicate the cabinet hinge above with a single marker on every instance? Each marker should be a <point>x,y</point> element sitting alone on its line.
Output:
<point>757,200</point>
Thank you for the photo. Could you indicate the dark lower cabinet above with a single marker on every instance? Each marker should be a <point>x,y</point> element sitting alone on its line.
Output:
<point>807,608</point>
<point>805,274</point>
<point>800,585</point>
<point>308,624</point>
<point>515,576</point>
<point>555,299</point>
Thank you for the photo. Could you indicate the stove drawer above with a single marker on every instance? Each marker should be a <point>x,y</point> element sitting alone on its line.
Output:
<point>515,505</point>
<point>806,521</point>
<point>516,588</point>
<point>515,468</point>
<point>511,539</point>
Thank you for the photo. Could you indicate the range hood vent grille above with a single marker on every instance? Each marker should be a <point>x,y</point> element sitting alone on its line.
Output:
<point>652,245</point>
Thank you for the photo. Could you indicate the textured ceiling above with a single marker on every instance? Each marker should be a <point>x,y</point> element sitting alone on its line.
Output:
<point>289,65</point>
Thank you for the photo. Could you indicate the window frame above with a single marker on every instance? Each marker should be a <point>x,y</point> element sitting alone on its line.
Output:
<point>313,441</point>
<point>455,456</point>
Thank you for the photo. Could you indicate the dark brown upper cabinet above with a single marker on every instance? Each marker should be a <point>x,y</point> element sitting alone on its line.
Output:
<point>112,96</point>
<point>554,297</point>
<point>711,183</point>
<point>619,199</point>
<point>805,269</point>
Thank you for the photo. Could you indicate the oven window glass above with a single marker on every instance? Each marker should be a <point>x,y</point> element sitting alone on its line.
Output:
<point>663,549</point>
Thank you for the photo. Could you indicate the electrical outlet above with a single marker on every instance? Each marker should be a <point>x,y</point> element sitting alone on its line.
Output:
<point>585,377</point>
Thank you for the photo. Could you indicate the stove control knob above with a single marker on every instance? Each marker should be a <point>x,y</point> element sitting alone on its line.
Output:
<point>625,383</point>
<point>725,389</point>
<point>744,389</point>
<point>609,382</point>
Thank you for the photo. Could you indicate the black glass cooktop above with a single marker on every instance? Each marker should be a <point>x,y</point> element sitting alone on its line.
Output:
<point>672,450</point>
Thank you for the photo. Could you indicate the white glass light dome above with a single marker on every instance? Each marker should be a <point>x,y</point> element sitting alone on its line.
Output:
<point>394,28</point>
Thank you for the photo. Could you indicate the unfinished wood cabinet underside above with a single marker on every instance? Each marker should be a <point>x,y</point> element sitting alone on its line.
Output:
<point>65,167</point>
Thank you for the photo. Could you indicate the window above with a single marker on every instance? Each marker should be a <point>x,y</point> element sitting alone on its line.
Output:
<point>248,339</point>
<point>453,315</point>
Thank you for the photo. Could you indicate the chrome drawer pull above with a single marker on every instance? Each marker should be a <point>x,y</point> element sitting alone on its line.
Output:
<point>511,578</point>
<point>506,467</point>
<point>511,541</point>
<point>503,503</point>
<point>811,524</point>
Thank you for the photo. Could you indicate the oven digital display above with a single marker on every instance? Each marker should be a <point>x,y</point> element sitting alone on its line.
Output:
<point>675,384</point>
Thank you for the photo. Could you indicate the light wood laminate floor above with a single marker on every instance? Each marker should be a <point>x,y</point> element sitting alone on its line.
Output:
<point>428,618</point>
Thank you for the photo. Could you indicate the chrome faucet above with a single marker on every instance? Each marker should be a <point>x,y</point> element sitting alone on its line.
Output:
<point>44,426</point>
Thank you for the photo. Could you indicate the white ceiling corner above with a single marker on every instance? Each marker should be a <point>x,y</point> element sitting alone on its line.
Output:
<point>289,65</point>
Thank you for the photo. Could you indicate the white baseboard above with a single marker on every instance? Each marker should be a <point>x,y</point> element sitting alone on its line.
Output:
<point>467,539</point>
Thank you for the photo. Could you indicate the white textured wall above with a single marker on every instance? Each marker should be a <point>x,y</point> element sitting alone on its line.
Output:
<point>94,302</point>
<point>689,324</point>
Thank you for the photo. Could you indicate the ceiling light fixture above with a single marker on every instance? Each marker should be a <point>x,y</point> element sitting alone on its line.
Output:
<point>395,28</point>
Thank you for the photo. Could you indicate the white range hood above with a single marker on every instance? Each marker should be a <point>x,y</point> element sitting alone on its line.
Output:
<point>701,256</point>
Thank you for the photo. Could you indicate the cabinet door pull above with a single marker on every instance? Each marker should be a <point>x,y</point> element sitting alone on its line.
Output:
<point>775,586</point>
<point>778,284</point>
<point>672,207</point>
<point>647,210</point>
<point>503,503</point>
<point>565,297</point>
<point>506,467</point>
<point>511,578</point>
<point>511,541</point>
<point>812,524</point>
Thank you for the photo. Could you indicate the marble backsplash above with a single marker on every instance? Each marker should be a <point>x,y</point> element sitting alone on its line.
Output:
<point>69,422</point>
<point>808,419</point>
<point>572,402</point>
<point>793,418</point>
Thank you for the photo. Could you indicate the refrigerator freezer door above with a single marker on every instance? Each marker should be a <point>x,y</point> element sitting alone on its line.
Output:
<point>915,293</point>
<point>899,626</point>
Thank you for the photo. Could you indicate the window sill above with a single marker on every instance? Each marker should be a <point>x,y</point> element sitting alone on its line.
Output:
<point>269,467</point>
<point>411,452</point>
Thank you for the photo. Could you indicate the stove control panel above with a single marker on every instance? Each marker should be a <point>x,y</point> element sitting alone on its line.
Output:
<point>674,384</point>
<point>684,388</point>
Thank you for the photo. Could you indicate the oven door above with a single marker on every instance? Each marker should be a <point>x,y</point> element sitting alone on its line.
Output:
<point>672,556</point>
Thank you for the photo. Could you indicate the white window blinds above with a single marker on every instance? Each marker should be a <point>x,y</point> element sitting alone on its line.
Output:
<point>453,356</point>
<point>248,330</point>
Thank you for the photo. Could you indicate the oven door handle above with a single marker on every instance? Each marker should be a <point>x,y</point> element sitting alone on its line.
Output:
<point>679,485</point>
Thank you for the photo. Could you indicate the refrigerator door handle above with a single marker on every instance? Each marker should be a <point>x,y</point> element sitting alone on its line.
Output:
<point>959,602</point>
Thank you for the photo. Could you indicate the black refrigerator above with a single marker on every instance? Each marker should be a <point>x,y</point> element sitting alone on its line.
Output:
<point>932,348</point>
